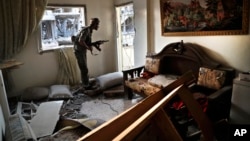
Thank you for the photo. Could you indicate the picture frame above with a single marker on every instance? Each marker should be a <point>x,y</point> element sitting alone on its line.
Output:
<point>202,17</point>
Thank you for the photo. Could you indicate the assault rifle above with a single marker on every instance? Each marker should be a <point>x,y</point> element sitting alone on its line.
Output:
<point>97,44</point>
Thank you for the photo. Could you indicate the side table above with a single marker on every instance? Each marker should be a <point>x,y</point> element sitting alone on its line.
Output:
<point>240,110</point>
<point>4,66</point>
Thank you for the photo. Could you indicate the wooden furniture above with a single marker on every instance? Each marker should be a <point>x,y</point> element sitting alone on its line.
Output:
<point>4,67</point>
<point>10,64</point>
<point>148,120</point>
<point>175,58</point>
<point>4,105</point>
<point>178,58</point>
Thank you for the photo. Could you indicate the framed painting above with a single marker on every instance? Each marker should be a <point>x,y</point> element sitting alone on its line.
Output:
<point>204,17</point>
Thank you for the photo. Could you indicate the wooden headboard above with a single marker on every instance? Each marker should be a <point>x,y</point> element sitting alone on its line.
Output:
<point>178,58</point>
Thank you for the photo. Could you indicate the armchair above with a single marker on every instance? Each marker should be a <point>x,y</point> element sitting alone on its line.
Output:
<point>216,86</point>
<point>215,101</point>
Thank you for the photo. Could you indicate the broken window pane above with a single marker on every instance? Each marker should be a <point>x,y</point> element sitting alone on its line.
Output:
<point>58,24</point>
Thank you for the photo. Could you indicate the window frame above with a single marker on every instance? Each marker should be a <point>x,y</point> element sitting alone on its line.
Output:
<point>54,43</point>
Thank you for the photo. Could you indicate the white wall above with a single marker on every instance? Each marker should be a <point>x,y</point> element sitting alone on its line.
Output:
<point>229,50</point>
<point>41,69</point>
<point>141,26</point>
<point>104,10</point>
<point>37,70</point>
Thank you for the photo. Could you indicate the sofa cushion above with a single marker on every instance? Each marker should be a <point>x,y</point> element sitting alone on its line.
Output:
<point>35,93</point>
<point>162,80</point>
<point>211,78</point>
<point>141,85</point>
<point>110,80</point>
<point>60,92</point>
<point>152,65</point>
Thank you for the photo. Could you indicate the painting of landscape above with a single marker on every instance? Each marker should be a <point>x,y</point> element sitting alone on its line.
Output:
<point>204,17</point>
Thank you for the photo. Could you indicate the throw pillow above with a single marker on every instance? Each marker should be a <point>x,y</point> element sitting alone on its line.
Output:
<point>211,78</point>
<point>161,80</point>
<point>109,80</point>
<point>35,93</point>
<point>60,92</point>
<point>152,65</point>
<point>146,74</point>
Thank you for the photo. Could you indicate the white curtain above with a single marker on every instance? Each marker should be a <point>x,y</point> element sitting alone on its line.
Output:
<point>68,71</point>
<point>18,20</point>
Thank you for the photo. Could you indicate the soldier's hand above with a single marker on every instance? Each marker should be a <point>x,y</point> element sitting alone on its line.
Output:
<point>90,48</point>
<point>97,46</point>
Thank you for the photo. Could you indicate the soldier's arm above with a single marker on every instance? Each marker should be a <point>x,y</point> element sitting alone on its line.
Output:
<point>82,39</point>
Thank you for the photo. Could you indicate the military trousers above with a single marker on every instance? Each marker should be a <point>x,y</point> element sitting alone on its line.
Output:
<point>81,57</point>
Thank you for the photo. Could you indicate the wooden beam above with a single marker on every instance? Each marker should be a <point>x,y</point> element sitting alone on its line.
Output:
<point>118,124</point>
<point>153,113</point>
<point>196,111</point>
<point>166,128</point>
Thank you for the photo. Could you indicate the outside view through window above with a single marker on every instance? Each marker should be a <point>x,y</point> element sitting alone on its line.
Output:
<point>59,24</point>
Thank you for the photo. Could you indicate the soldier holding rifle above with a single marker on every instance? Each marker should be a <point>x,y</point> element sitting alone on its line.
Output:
<point>82,43</point>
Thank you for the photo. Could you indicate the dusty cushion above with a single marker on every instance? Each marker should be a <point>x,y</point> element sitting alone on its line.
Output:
<point>60,92</point>
<point>211,78</point>
<point>152,65</point>
<point>35,93</point>
<point>162,80</point>
<point>110,79</point>
<point>141,85</point>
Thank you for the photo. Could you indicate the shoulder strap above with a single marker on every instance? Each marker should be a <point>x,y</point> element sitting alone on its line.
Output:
<point>83,28</point>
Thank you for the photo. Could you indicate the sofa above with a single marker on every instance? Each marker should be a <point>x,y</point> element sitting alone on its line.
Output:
<point>213,80</point>
<point>212,88</point>
<point>173,60</point>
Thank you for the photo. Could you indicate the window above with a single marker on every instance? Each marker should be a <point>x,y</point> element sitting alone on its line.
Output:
<point>58,24</point>
<point>127,25</point>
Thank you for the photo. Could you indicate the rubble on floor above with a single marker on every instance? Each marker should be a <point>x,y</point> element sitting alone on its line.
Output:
<point>47,115</point>
<point>50,118</point>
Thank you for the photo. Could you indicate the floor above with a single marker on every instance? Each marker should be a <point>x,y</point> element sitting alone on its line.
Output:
<point>98,107</point>
<point>94,109</point>
<point>103,106</point>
